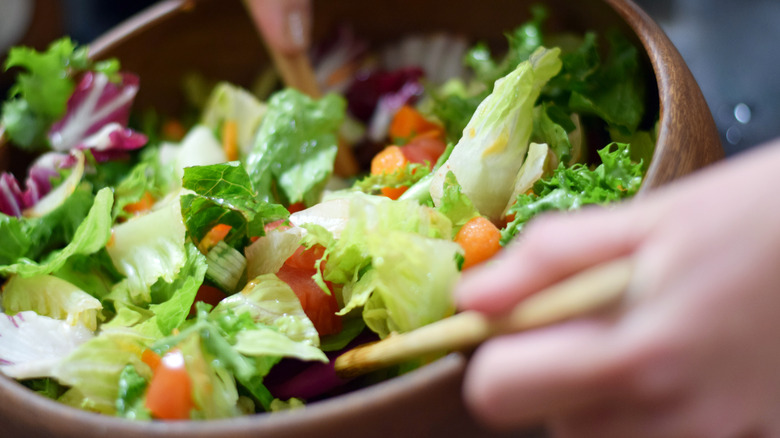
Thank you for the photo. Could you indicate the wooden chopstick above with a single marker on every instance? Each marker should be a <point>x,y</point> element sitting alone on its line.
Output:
<point>297,72</point>
<point>582,293</point>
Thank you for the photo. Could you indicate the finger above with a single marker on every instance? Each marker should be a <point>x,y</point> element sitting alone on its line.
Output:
<point>551,248</point>
<point>519,380</point>
<point>285,24</point>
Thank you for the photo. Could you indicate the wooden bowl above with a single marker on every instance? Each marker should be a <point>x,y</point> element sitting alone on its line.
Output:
<point>216,38</point>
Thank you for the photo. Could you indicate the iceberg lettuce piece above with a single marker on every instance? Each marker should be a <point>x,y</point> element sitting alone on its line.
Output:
<point>268,342</point>
<point>268,253</point>
<point>93,369</point>
<point>272,302</point>
<point>413,278</point>
<point>228,102</point>
<point>33,345</point>
<point>398,256</point>
<point>488,157</point>
<point>198,148</point>
<point>53,297</point>
<point>147,248</point>
<point>532,170</point>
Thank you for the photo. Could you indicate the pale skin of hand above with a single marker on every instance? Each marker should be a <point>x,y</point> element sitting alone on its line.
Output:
<point>693,352</point>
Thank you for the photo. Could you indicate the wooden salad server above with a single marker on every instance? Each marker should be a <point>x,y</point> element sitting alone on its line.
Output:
<point>588,291</point>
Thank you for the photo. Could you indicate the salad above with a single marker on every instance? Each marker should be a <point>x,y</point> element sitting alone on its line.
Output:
<point>212,266</point>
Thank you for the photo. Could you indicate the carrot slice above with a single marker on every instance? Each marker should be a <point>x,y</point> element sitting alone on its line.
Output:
<point>480,240</point>
<point>408,122</point>
<point>213,236</point>
<point>230,139</point>
<point>141,206</point>
<point>390,160</point>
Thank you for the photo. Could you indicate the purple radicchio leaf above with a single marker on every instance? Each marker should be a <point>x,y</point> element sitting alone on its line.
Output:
<point>369,87</point>
<point>14,201</point>
<point>10,195</point>
<point>97,116</point>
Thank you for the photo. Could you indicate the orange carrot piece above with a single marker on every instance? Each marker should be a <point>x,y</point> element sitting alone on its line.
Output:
<point>230,139</point>
<point>408,123</point>
<point>214,236</point>
<point>141,206</point>
<point>480,240</point>
<point>390,160</point>
<point>151,358</point>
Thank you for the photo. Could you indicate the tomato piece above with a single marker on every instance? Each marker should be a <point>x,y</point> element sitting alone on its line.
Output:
<point>318,305</point>
<point>207,294</point>
<point>169,396</point>
<point>424,149</point>
<point>296,206</point>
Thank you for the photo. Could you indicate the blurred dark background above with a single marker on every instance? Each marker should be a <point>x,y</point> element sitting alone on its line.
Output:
<point>731,46</point>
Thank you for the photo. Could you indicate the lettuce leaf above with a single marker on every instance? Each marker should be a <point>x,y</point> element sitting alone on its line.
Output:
<point>53,297</point>
<point>270,301</point>
<point>228,102</point>
<point>173,300</point>
<point>42,89</point>
<point>93,370</point>
<point>147,248</point>
<point>412,281</point>
<point>617,177</point>
<point>33,345</point>
<point>293,153</point>
<point>488,157</point>
<point>397,255</point>
<point>224,194</point>
<point>455,204</point>
<point>91,235</point>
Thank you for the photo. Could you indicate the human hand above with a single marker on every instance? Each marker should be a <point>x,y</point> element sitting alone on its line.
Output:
<point>693,353</point>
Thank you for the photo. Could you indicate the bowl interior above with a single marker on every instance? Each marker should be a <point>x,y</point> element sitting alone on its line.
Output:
<point>217,40</point>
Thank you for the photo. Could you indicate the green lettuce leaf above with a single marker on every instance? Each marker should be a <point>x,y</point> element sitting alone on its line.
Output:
<point>455,204</point>
<point>93,370</point>
<point>270,301</point>
<point>147,248</point>
<point>293,153</point>
<point>53,297</point>
<point>175,298</point>
<point>488,157</point>
<point>570,188</point>
<point>91,235</point>
<point>224,194</point>
<point>403,177</point>
<point>380,233</point>
<point>42,88</point>
<point>412,282</point>
<point>130,400</point>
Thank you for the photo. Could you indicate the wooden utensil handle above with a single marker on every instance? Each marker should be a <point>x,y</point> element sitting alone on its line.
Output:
<point>577,295</point>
